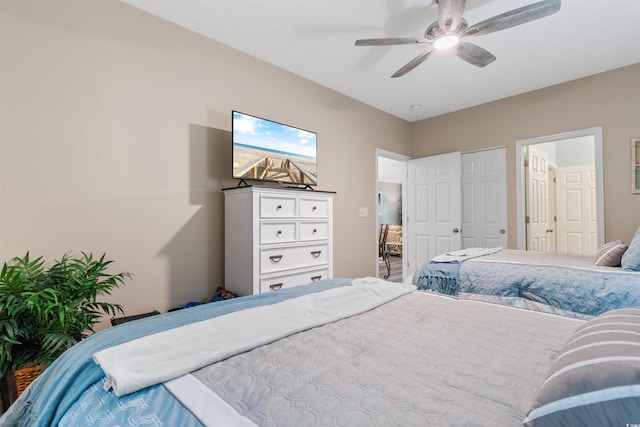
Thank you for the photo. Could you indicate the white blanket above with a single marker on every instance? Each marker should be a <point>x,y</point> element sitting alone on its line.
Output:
<point>156,358</point>
<point>464,254</point>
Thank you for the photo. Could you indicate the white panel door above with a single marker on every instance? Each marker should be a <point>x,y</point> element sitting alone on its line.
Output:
<point>552,232</point>
<point>576,204</point>
<point>484,199</point>
<point>433,199</point>
<point>537,222</point>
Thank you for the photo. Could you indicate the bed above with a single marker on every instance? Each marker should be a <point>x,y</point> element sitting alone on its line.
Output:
<point>565,284</point>
<point>343,352</point>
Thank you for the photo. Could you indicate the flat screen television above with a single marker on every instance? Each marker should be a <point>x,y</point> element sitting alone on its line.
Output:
<point>264,150</point>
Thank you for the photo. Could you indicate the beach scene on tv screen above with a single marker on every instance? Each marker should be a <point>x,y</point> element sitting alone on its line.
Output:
<point>266,150</point>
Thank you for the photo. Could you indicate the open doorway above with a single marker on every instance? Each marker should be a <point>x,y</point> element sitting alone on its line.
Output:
<point>390,214</point>
<point>560,192</point>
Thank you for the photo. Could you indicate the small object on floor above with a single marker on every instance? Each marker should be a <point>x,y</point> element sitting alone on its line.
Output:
<point>220,295</point>
<point>119,320</point>
<point>224,294</point>
<point>192,304</point>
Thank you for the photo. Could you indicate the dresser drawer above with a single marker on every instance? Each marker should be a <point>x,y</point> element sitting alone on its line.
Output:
<point>288,258</point>
<point>314,230</point>
<point>278,207</point>
<point>314,208</point>
<point>289,280</point>
<point>278,232</point>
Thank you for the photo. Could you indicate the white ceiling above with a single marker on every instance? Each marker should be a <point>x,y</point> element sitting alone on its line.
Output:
<point>315,39</point>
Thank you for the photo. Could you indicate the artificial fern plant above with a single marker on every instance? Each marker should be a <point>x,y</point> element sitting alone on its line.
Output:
<point>44,311</point>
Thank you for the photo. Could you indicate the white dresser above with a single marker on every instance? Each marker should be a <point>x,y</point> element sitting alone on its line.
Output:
<point>276,238</point>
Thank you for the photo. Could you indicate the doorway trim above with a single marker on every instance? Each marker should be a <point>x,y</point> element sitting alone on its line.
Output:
<point>596,132</point>
<point>403,159</point>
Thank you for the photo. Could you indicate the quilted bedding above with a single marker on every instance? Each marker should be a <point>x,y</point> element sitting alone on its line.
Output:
<point>420,360</point>
<point>70,392</point>
<point>565,284</point>
<point>569,285</point>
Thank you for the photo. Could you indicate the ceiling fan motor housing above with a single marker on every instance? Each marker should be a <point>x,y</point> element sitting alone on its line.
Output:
<point>433,31</point>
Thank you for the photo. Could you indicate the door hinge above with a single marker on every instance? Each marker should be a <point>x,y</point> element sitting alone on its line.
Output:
<point>526,219</point>
<point>526,163</point>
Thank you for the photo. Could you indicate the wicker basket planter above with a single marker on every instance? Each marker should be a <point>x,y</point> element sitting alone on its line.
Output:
<point>15,382</point>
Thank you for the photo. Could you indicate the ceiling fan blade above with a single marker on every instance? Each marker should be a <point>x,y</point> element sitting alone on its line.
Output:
<point>450,14</point>
<point>388,41</point>
<point>412,64</point>
<point>514,17</point>
<point>474,54</point>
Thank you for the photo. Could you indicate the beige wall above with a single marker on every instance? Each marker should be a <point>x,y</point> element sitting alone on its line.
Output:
<point>610,100</point>
<point>115,137</point>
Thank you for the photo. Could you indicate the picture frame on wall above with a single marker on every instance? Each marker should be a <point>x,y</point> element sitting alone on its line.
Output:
<point>635,166</point>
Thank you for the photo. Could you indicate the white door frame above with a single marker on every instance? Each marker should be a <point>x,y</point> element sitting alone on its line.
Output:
<point>596,132</point>
<point>404,159</point>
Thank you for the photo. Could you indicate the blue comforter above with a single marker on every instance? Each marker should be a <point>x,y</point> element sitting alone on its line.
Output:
<point>440,277</point>
<point>74,375</point>
<point>571,291</point>
<point>574,290</point>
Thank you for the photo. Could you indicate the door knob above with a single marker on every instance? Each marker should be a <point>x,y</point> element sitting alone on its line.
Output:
<point>455,230</point>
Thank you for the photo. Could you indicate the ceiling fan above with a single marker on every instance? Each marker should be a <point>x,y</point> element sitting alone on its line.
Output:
<point>450,27</point>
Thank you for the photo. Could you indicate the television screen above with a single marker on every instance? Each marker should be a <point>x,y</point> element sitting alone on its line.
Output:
<point>269,151</point>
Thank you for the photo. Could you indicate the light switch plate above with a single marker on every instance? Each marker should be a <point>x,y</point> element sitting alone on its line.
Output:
<point>364,212</point>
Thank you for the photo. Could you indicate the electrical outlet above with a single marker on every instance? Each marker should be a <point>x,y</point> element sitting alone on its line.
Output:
<point>364,212</point>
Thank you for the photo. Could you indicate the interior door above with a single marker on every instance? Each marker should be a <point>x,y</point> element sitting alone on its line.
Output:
<point>484,199</point>
<point>552,235</point>
<point>537,220</point>
<point>577,230</point>
<point>433,202</point>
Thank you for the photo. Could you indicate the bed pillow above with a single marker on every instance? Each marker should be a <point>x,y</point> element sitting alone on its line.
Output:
<point>595,379</point>
<point>610,254</point>
<point>631,259</point>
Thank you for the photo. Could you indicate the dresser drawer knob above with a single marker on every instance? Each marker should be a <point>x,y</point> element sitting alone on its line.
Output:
<point>275,258</point>
<point>279,232</point>
<point>278,207</point>
<point>275,286</point>
<point>316,278</point>
<point>315,254</point>
<point>315,231</point>
<point>314,208</point>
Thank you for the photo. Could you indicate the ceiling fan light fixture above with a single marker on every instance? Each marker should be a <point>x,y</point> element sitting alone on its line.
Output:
<point>446,41</point>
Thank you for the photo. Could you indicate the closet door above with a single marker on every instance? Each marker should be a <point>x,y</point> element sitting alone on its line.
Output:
<point>577,231</point>
<point>484,199</point>
<point>433,199</point>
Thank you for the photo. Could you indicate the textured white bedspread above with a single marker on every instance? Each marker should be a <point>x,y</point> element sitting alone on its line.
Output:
<point>160,357</point>
<point>420,360</point>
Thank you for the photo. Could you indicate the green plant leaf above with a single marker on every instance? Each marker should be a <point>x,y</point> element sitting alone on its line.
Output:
<point>44,311</point>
